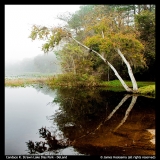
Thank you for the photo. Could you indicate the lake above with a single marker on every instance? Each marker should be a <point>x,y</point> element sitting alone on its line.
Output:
<point>89,121</point>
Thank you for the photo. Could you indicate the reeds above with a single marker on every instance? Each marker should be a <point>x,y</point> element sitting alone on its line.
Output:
<point>24,82</point>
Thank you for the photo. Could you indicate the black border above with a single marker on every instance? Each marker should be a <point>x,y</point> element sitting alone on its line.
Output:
<point>157,69</point>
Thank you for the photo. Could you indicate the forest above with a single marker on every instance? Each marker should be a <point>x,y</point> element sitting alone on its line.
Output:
<point>103,28</point>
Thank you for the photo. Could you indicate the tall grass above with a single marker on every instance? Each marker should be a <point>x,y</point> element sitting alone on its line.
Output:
<point>24,82</point>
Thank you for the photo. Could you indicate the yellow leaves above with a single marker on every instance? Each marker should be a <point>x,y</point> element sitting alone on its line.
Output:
<point>52,36</point>
<point>38,32</point>
<point>106,46</point>
<point>33,35</point>
<point>127,42</point>
<point>93,40</point>
<point>45,47</point>
<point>131,47</point>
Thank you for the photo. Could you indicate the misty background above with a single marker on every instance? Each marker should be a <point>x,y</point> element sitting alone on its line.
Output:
<point>22,55</point>
<point>40,64</point>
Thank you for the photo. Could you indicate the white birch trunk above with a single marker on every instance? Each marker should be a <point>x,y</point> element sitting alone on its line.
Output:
<point>102,34</point>
<point>120,79</point>
<point>134,83</point>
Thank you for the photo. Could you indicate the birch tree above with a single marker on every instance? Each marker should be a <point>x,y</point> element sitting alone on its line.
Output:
<point>103,36</point>
<point>57,34</point>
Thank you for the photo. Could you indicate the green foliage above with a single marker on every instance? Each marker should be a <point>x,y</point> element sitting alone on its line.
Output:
<point>107,36</point>
<point>145,23</point>
<point>102,28</point>
<point>116,83</point>
<point>72,80</point>
<point>51,36</point>
<point>147,90</point>
<point>75,59</point>
<point>94,42</point>
<point>77,20</point>
<point>131,47</point>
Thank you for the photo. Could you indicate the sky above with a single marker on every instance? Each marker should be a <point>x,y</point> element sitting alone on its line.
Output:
<point>18,22</point>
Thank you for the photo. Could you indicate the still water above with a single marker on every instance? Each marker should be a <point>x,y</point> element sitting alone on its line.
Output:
<point>94,121</point>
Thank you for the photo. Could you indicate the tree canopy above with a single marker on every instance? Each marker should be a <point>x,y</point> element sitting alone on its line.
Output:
<point>103,29</point>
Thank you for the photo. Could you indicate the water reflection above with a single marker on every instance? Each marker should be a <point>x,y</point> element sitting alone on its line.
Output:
<point>26,110</point>
<point>50,143</point>
<point>101,127</point>
<point>134,99</point>
<point>94,124</point>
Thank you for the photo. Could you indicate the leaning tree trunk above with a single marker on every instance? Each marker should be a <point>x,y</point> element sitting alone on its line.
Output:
<point>134,83</point>
<point>135,88</point>
<point>65,33</point>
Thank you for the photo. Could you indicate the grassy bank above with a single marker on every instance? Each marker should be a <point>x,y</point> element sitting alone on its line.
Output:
<point>145,88</point>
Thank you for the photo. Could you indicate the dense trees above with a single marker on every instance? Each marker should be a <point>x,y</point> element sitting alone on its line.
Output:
<point>124,18</point>
<point>104,30</point>
<point>145,23</point>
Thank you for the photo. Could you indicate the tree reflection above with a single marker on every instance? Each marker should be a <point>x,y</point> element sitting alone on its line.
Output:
<point>115,109</point>
<point>79,108</point>
<point>134,99</point>
<point>50,143</point>
<point>86,113</point>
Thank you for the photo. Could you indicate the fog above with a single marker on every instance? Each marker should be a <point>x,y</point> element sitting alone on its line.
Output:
<point>21,53</point>
<point>40,64</point>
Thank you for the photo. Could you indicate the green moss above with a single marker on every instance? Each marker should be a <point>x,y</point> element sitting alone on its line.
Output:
<point>147,90</point>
